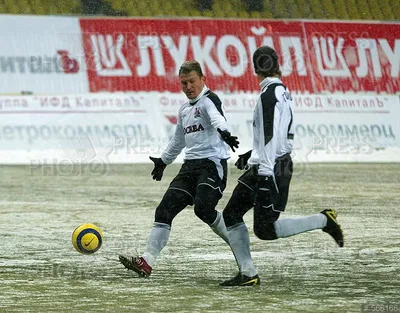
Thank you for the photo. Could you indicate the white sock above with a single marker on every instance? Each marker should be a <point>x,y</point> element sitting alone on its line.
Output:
<point>156,241</point>
<point>291,226</point>
<point>240,244</point>
<point>218,227</point>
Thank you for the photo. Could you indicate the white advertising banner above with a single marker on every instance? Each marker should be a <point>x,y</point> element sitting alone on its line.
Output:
<point>347,128</point>
<point>41,54</point>
<point>90,128</point>
<point>128,127</point>
<point>332,128</point>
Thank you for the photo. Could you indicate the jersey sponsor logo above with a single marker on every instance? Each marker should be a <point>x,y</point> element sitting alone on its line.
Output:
<point>193,129</point>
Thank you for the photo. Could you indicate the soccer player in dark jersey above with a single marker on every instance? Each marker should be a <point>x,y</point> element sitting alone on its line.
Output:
<point>265,184</point>
<point>203,131</point>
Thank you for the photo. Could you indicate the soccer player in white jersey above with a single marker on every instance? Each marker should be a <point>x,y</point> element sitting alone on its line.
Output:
<point>203,131</point>
<point>265,184</point>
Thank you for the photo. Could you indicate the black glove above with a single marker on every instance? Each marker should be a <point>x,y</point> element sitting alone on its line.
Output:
<point>265,191</point>
<point>159,167</point>
<point>230,140</point>
<point>242,161</point>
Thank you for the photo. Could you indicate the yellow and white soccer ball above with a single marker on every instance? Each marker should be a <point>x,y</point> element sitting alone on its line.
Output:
<point>87,238</point>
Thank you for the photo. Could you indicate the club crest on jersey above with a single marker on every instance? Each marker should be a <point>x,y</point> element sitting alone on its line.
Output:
<point>196,113</point>
<point>193,129</point>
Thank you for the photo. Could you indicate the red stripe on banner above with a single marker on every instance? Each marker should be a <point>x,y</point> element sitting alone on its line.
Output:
<point>356,57</point>
<point>145,54</point>
<point>315,57</point>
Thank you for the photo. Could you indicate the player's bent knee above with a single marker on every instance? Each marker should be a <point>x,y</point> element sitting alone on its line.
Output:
<point>232,217</point>
<point>173,202</point>
<point>206,214</point>
<point>205,202</point>
<point>265,231</point>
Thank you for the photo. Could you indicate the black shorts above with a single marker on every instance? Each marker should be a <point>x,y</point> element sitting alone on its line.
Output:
<point>194,173</point>
<point>283,171</point>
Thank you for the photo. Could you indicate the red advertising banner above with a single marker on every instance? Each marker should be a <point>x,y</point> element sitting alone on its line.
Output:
<point>354,57</point>
<point>315,57</point>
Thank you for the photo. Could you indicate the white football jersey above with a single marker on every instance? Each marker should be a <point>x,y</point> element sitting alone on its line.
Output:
<point>196,130</point>
<point>273,128</point>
